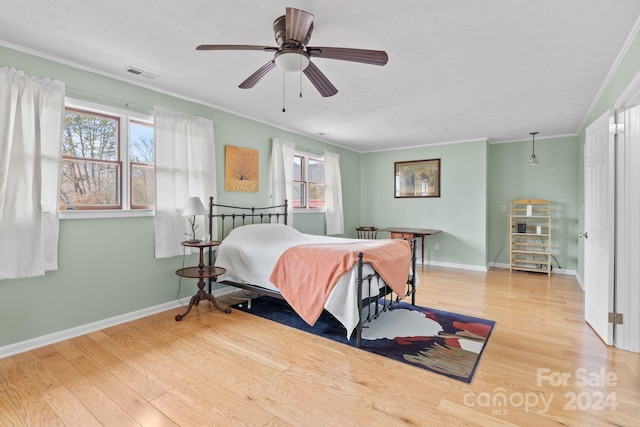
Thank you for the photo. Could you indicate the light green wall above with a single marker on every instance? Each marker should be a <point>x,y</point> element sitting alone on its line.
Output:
<point>554,179</point>
<point>235,130</point>
<point>460,211</point>
<point>477,179</point>
<point>107,266</point>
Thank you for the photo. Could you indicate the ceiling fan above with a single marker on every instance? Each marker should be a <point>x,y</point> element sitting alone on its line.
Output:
<point>292,33</point>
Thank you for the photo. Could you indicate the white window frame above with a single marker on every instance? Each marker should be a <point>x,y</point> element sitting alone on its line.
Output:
<point>125,117</point>
<point>305,169</point>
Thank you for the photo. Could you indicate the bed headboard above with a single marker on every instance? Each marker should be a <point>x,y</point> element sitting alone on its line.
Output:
<point>231,217</point>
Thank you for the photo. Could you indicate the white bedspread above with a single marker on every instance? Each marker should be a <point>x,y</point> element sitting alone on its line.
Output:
<point>249,254</point>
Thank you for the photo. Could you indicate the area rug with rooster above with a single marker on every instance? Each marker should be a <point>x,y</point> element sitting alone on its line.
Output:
<point>448,343</point>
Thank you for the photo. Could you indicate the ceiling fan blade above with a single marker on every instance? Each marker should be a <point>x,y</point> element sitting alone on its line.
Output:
<point>255,77</point>
<point>373,57</point>
<point>234,47</point>
<point>298,23</point>
<point>319,80</point>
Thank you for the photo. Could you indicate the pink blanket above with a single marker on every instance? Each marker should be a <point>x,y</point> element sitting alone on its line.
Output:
<point>305,275</point>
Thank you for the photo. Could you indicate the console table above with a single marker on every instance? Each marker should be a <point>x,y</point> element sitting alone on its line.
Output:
<point>201,272</point>
<point>410,234</point>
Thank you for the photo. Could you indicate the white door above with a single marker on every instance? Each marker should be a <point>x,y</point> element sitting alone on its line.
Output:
<point>599,187</point>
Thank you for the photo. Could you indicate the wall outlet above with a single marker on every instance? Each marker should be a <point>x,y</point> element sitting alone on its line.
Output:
<point>503,208</point>
<point>436,246</point>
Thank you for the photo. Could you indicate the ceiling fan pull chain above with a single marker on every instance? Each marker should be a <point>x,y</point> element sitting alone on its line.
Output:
<point>300,76</point>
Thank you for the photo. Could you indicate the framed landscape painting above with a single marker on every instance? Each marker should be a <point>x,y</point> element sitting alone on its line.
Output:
<point>417,178</point>
<point>241,169</point>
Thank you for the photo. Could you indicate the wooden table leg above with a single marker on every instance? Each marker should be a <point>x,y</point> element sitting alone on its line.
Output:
<point>211,298</point>
<point>199,296</point>
<point>194,300</point>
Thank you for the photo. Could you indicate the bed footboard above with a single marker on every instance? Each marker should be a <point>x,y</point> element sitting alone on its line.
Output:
<point>385,294</point>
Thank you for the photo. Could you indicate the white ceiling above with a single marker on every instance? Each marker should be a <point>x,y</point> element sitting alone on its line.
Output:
<point>458,70</point>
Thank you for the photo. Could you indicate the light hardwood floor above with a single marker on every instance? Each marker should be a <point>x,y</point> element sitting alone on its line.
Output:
<point>542,366</point>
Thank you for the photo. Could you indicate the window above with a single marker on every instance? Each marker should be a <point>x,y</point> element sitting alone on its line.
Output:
<point>107,160</point>
<point>308,182</point>
<point>142,171</point>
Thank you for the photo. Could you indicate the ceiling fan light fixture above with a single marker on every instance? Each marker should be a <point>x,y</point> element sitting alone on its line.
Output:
<point>533,160</point>
<point>292,60</point>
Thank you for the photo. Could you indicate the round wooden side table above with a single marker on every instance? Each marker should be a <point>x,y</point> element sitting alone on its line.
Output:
<point>201,272</point>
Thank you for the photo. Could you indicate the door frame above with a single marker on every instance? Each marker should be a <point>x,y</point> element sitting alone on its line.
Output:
<point>627,297</point>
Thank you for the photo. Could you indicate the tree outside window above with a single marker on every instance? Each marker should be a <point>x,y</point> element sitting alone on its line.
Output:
<point>142,160</point>
<point>90,161</point>
<point>97,170</point>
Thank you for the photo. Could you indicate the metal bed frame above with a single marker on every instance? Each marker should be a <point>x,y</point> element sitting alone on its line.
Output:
<point>237,216</point>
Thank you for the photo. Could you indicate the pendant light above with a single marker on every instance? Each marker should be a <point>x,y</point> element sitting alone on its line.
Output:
<point>533,161</point>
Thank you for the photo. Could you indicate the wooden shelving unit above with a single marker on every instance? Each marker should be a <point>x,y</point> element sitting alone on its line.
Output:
<point>530,235</point>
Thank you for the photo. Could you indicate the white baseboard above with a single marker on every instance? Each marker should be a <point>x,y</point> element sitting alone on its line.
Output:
<point>453,265</point>
<point>553,271</point>
<point>20,347</point>
<point>498,265</point>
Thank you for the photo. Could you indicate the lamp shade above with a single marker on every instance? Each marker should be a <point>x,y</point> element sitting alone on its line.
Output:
<point>194,206</point>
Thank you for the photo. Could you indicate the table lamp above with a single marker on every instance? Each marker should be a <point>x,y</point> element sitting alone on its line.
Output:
<point>194,207</point>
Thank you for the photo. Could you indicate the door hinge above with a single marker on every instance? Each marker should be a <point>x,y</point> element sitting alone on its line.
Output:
<point>616,128</point>
<point>615,318</point>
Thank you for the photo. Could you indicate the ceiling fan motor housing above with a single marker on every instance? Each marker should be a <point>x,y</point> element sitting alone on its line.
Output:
<point>280,33</point>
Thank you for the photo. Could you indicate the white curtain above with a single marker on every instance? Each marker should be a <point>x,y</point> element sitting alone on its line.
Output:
<point>185,167</point>
<point>31,118</point>
<point>282,174</point>
<point>333,193</point>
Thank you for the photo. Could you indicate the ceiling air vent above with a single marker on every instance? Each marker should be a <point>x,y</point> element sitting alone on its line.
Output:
<point>141,73</point>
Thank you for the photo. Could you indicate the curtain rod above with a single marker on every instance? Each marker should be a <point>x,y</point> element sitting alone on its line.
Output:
<point>128,105</point>
<point>119,102</point>
<point>309,150</point>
